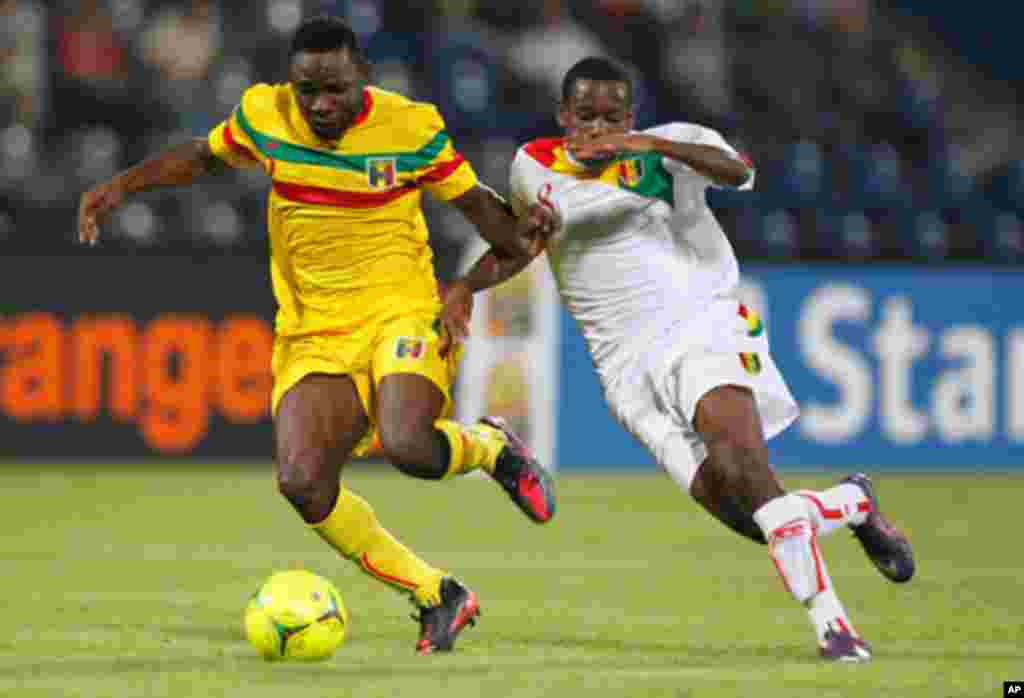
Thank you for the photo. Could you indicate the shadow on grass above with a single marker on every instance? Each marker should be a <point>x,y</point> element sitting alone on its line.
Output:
<point>216,634</point>
<point>92,667</point>
<point>512,653</point>
<point>675,647</point>
<point>446,667</point>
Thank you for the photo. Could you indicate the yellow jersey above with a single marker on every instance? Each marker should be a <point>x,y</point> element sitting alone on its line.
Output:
<point>348,240</point>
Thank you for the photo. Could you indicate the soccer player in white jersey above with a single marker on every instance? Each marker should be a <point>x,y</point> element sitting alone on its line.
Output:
<point>650,278</point>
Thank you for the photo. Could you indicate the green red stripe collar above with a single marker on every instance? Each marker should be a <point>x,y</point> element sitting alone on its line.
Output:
<point>284,151</point>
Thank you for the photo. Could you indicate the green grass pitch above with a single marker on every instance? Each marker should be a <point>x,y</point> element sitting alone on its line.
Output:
<point>130,581</point>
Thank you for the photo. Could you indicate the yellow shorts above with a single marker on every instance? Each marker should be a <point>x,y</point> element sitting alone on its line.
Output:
<point>407,344</point>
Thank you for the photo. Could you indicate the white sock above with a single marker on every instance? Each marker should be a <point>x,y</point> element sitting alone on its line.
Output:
<point>793,546</point>
<point>826,612</point>
<point>842,505</point>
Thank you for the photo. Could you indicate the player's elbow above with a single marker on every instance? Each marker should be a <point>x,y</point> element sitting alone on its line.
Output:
<point>737,176</point>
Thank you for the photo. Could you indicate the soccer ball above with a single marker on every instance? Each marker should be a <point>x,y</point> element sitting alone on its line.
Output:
<point>296,615</point>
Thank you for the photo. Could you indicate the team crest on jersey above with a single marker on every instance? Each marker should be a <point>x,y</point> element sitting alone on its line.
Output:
<point>381,172</point>
<point>631,172</point>
<point>409,348</point>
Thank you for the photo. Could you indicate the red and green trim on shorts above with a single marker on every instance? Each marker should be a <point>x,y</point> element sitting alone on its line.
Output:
<point>750,361</point>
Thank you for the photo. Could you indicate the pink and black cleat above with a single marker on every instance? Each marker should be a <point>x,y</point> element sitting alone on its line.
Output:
<point>522,476</point>
<point>886,547</point>
<point>843,646</point>
<point>441,624</point>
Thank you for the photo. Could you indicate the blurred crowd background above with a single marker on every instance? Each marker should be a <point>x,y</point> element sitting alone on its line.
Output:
<point>874,138</point>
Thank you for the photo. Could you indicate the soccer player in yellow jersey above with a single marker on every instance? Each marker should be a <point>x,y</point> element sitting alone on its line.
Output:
<point>364,354</point>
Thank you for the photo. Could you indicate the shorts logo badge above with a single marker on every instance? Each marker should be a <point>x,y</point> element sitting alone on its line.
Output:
<point>631,172</point>
<point>751,363</point>
<point>381,172</point>
<point>754,325</point>
<point>406,347</point>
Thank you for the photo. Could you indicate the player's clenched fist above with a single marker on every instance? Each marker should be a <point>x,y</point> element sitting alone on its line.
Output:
<point>94,205</point>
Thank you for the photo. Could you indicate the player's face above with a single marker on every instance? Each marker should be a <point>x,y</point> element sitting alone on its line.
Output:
<point>596,108</point>
<point>329,88</point>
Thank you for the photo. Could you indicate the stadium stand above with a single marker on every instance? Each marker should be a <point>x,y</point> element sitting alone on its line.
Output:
<point>873,141</point>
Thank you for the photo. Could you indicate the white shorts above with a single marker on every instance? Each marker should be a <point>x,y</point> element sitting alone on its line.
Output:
<point>657,405</point>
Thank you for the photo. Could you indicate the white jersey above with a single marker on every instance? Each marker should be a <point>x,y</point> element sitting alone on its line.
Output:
<point>640,258</point>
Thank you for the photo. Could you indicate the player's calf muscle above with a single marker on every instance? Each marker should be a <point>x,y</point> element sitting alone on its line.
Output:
<point>437,465</point>
<point>412,446</point>
<point>734,481</point>
<point>730,511</point>
<point>742,473</point>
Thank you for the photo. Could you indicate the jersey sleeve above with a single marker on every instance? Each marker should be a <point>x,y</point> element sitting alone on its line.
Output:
<point>441,170</point>
<point>699,135</point>
<point>230,142</point>
<point>520,195</point>
<point>577,202</point>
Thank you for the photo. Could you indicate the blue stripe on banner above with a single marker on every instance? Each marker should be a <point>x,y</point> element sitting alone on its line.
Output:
<point>901,368</point>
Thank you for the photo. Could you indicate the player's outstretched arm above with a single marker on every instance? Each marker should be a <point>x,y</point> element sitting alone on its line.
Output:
<point>492,268</point>
<point>716,164</point>
<point>178,165</point>
<point>497,265</point>
<point>497,224</point>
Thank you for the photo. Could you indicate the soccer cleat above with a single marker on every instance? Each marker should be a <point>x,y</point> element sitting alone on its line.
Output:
<point>441,624</point>
<point>844,646</point>
<point>522,476</point>
<point>885,546</point>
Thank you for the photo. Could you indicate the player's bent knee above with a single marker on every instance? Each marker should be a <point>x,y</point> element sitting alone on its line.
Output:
<point>312,495</point>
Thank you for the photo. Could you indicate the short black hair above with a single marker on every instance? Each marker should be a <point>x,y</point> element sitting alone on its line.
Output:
<point>326,33</point>
<point>596,68</point>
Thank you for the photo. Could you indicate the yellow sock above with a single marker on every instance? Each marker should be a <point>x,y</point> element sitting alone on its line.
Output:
<point>353,530</point>
<point>472,447</point>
